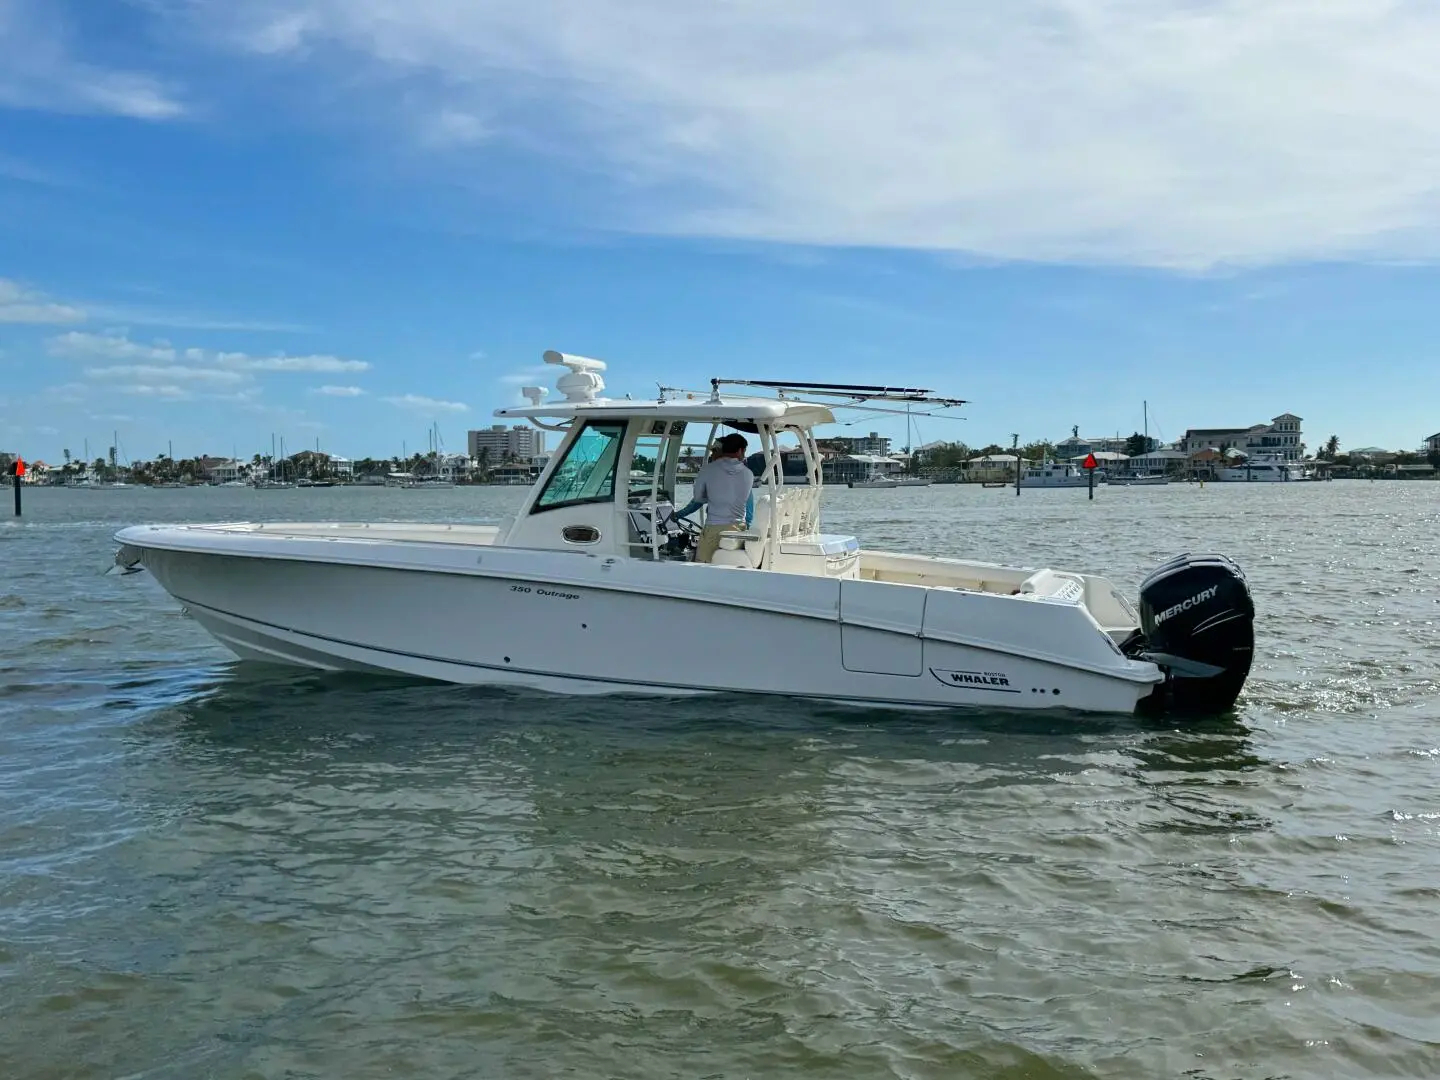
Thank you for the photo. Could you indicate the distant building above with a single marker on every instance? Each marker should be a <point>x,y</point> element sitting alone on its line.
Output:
<point>841,469</point>
<point>316,464</point>
<point>1077,447</point>
<point>223,470</point>
<point>1159,461</point>
<point>1374,455</point>
<point>992,467</point>
<point>1432,444</point>
<point>1281,437</point>
<point>499,443</point>
<point>872,445</point>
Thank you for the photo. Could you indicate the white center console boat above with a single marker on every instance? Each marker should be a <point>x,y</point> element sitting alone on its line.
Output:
<point>574,592</point>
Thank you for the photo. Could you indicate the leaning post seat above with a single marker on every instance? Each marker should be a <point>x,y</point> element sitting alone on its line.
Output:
<point>746,547</point>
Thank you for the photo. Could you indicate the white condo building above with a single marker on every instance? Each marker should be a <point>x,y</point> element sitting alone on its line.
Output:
<point>518,443</point>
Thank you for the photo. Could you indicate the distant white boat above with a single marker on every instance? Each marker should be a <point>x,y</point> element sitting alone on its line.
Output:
<point>1262,470</point>
<point>1054,474</point>
<point>1140,480</point>
<point>911,481</point>
<point>873,477</point>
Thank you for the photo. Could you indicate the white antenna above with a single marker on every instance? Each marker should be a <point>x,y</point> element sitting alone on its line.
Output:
<point>534,394</point>
<point>583,382</point>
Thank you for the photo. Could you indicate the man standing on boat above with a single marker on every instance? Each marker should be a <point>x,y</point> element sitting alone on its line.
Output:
<point>722,486</point>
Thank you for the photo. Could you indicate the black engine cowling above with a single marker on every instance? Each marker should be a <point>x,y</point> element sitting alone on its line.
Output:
<point>1197,622</point>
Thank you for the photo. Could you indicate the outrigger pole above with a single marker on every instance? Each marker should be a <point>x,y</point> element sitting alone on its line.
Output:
<point>847,390</point>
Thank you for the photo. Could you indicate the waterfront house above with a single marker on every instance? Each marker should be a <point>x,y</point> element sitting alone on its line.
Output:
<point>1372,455</point>
<point>223,470</point>
<point>1168,462</point>
<point>1076,447</point>
<point>1282,438</point>
<point>991,467</point>
<point>1108,462</point>
<point>844,468</point>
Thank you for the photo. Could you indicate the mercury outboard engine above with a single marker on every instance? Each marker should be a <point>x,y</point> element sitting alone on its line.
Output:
<point>1197,622</point>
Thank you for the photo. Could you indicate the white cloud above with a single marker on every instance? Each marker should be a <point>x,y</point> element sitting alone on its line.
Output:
<point>453,127</point>
<point>168,391</point>
<point>26,173</point>
<point>132,316</point>
<point>293,363</point>
<point>40,71</point>
<point>427,404</point>
<point>338,391</point>
<point>81,345</point>
<point>1154,132</point>
<point>21,305</point>
<point>69,393</point>
<point>526,376</point>
<point>173,371</point>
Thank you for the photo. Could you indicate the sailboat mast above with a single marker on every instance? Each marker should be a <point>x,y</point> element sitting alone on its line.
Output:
<point>909,443</point>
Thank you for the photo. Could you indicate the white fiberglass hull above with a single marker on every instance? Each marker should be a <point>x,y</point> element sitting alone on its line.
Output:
<point>1140,481</point>
<point>468,612</point>
<point>1256,476</point>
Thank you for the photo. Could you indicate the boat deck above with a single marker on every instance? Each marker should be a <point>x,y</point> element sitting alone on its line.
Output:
<point>1098,595</point>
<point>412,532</point>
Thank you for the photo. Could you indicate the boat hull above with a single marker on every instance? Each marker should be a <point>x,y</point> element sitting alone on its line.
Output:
<point>559,622</point>
<point>1255,476</point>
<point>1140,481</point>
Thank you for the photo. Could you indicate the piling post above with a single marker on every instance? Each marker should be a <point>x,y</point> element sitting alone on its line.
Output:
<point>17,478</point>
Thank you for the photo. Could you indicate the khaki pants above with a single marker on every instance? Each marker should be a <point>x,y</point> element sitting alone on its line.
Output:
<point>709,541</point>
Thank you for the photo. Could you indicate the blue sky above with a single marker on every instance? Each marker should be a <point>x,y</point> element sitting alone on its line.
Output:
<point>348,219</point>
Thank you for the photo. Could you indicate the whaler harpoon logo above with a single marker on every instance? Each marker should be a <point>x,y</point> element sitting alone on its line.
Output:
<point>1185,605</point>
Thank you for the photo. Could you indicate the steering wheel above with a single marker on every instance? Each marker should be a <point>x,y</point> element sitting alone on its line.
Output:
<point>685,525</point>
